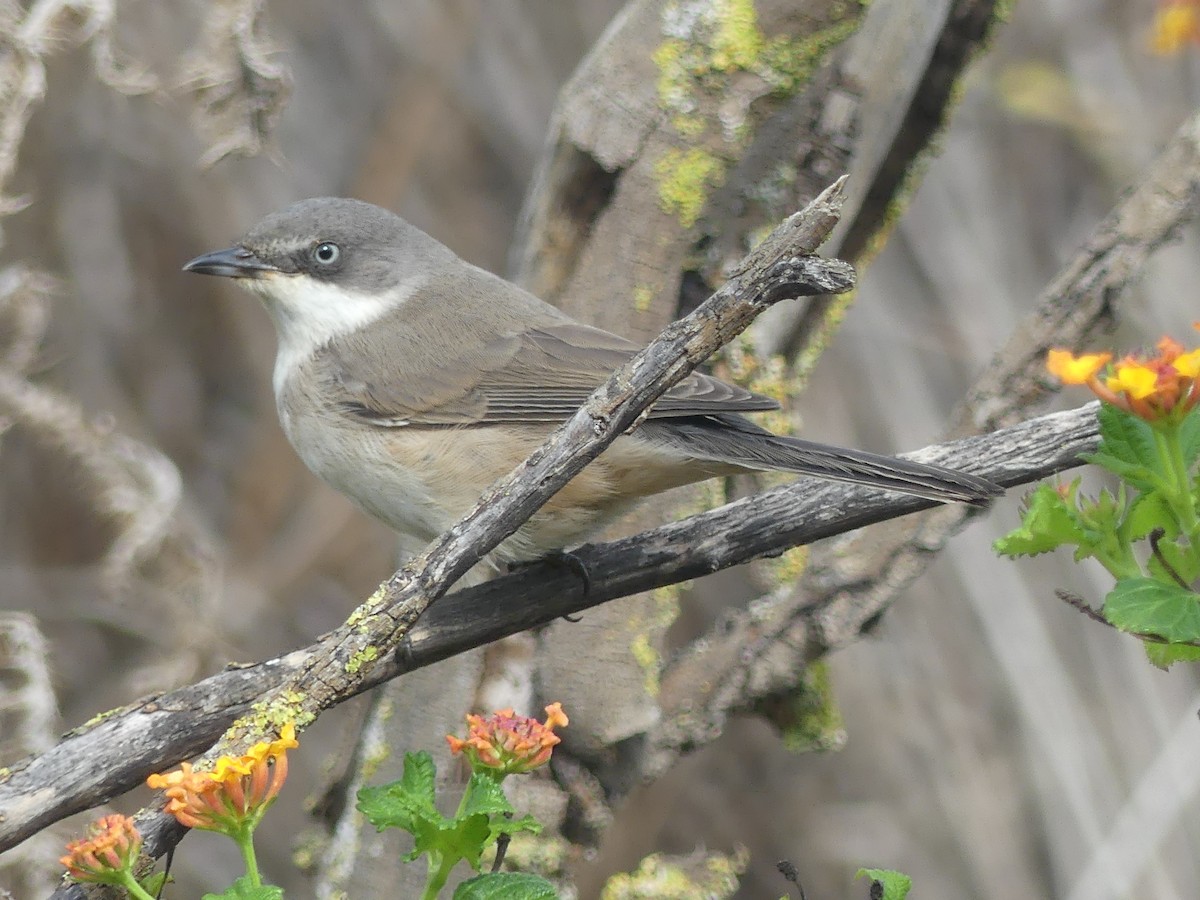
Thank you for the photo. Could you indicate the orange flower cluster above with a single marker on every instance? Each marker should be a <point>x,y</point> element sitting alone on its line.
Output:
<point>1156,388</point>
<point>237,791</point>
<point>509,743</point>
<point>110,848</point>
<point>1176,23</point>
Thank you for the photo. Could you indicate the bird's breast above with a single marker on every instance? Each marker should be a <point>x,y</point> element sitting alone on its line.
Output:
<point>422,480</point>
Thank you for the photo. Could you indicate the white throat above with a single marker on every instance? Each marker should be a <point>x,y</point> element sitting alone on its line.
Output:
<point>309,313</point>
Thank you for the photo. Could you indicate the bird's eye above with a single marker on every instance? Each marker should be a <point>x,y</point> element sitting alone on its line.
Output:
<point>326,253</point>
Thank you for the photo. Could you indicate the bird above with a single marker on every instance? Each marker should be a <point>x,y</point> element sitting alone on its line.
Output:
<point>410,380</point>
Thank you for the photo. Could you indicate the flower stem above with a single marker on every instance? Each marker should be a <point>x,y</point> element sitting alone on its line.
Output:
<point>1180,495</point>
<point>438,875</point>
<point>245,842</point>
<point>131,885</point>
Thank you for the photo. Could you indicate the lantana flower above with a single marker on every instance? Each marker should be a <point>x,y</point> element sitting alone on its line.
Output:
<point>108,853</point>
<point>1159,389</point>
<point>237,791</point>
<point>1176,23</point>
<point>507,743</point>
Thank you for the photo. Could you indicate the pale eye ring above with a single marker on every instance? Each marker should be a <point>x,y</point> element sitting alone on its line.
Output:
<point>326,253</point>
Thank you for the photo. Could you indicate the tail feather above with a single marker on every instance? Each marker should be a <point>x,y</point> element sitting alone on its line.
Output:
<point>739,442</point>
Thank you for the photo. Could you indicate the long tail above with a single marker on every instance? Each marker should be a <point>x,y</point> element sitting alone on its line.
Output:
<point>734,440</point>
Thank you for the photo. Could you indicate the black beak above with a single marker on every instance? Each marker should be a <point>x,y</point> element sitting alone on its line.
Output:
<point>236,262</point>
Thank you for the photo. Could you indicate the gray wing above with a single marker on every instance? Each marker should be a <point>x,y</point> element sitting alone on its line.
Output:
<point>538,375</point>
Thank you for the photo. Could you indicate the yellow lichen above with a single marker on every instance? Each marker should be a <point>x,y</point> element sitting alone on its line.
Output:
<point>663,610</point>
<point>265,717</point>
<point>771,376</point>
<point>811,719</point>
<point>543,854</point>
<point>737,42</point>
<point>100,717</point>
<point>714,876</point>
<point>367,654</point>
<point>367,608</point>
<point>787,567</point>
<point>643,296</point>
<point>649,660</point>
<point>684,180</point>
<point>725,38</point>
<point>688,126</point>
<point>376,749</point>
<point>704,47</point>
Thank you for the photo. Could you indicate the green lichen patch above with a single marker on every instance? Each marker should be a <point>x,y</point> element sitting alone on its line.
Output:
<point>685,178</point>
<point>367,654</point>
<point>808,716</point>
<point>713,63</point>
<point>265,717</point>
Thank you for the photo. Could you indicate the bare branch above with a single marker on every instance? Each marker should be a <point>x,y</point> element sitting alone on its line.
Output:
<point>133,484</point>
<point>28,707</point>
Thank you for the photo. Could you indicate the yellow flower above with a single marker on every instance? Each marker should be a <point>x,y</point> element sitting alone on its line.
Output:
<point>1071,369</point>
<point>110,849</point>
<point>1188,364</point>
<point>1136,380</point>
<point>508,743</point>
<point>1158,388</point>
<point>1175,24</point>
<point>237,791</point>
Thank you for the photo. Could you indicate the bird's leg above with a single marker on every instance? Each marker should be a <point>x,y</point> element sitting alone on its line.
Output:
<point>563,559</point>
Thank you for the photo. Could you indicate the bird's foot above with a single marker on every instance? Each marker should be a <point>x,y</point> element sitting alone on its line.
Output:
<point>563,559</point>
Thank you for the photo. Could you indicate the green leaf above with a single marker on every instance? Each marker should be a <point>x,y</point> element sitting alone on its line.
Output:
<point>429,835</point>
<point>153,883</point>
<point>1147,512</point>
<point>1165,655</point>
<point>1138,476</point>
<point>1149,606</point>
<point>407,803</point>
<point>1189,437</point>
<point>484,796</point>
<point>242,889</point>
<point>1127,447</point>
<point>501,825</point>
<point>506,886</point>
<point>1181,558</point>
<point>896,885</point>
<point>1100,516</point>
<point>465,838</point>
<point>1049,522</point>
